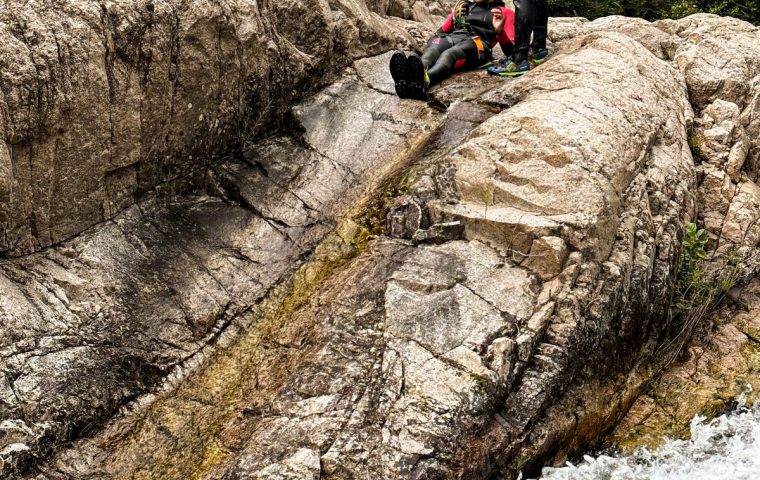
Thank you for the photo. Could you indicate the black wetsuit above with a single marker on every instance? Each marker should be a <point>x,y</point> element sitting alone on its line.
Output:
<point>454,48</point>
<point>531,18</point>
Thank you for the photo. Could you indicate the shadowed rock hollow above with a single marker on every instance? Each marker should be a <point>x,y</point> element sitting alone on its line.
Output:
<point>384,288</point>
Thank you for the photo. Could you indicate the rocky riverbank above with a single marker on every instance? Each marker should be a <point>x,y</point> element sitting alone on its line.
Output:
<point>382,289</point>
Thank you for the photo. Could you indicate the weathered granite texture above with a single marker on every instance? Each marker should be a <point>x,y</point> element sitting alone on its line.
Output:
<point>101,101</point>
<point>91,323</point>
<point>719,368</point>
<point>719,371</point>
<point>391,289</point>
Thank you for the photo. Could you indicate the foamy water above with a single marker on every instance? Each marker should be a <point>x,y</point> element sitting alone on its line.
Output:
<point>727,448</point>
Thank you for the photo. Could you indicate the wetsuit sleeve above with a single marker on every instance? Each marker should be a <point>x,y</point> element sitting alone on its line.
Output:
<point>507,35</point>
<point>448,25</point>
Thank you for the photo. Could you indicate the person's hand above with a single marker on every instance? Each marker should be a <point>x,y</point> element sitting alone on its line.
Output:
<point>498,19</point>
<point>462,9</point>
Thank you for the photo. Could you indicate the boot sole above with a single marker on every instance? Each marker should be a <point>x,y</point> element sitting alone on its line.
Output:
<point>398,72</point>
<point>415,77</point>
<point>511,74</point>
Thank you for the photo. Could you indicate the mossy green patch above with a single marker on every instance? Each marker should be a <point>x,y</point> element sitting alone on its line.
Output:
<point>187,432</point>
<point>695,145</point>
<point>213,454</point>
<point>483,384</point>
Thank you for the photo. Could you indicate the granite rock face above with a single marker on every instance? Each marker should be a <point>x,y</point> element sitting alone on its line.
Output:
<point>103,101</point>
<point>718,369</point>
<point>388,289</point>
<point>717,372</point>
<point>719,61</point>
<point>93,322</point>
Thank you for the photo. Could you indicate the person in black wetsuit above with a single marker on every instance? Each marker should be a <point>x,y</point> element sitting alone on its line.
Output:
<point>464,41</point>
<point>531,20</point>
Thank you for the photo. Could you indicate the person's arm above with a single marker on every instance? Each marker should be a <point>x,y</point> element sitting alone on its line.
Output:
<point>504,24</point>
<point>448,25</point>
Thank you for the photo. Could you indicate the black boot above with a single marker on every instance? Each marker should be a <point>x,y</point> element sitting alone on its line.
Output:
<point>416,77</point>
<point>398,72</point>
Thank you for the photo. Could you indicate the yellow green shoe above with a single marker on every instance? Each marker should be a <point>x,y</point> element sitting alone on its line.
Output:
<point>538,57</point>
<point>510,69</point>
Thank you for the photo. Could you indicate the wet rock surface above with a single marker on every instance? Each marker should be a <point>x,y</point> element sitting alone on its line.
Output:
<point>98,320</point>
<point>718,372</point>
<point>395,289</point>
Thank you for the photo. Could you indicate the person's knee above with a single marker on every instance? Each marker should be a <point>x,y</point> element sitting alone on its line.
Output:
<point>456,59</point>
<point>449,58</point>
<point>431,55</point>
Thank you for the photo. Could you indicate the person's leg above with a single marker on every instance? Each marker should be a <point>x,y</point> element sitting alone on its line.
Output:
<point>450,60</point>
<point>435,47</point>
<point>462,55</point>
<point>404,70</point>
<point>540,25</point>
<point>417,67</point>
<point>523,28</point>
<point>519,63</point>
<point>476,56</point>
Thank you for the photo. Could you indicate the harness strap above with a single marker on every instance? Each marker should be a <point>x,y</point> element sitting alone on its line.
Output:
<point>481,47</point>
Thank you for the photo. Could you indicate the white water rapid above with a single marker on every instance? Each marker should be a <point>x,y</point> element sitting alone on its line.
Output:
<point>727,448</point>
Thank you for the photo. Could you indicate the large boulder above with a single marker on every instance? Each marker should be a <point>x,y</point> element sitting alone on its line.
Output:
<point>410,358</point>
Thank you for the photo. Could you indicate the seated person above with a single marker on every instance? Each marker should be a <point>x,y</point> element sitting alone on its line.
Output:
<point>465,41</point>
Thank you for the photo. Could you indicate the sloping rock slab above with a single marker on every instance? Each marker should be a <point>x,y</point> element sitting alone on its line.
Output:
<point>93,323</point>
<point>440,361</point>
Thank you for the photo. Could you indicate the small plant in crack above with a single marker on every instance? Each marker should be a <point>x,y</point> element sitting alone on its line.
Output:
<point>698,292</point>
<point>483,385</point>
<point>690,282</point>
<point>253,125</point>
<point>486,194</point>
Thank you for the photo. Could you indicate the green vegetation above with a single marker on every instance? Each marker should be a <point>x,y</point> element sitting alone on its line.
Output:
<point>691,287</point>
<point>486,194</point>
<point>696,149</point>
<point>698,292</point>
<point>656,9</point>
<point>483,384</point>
